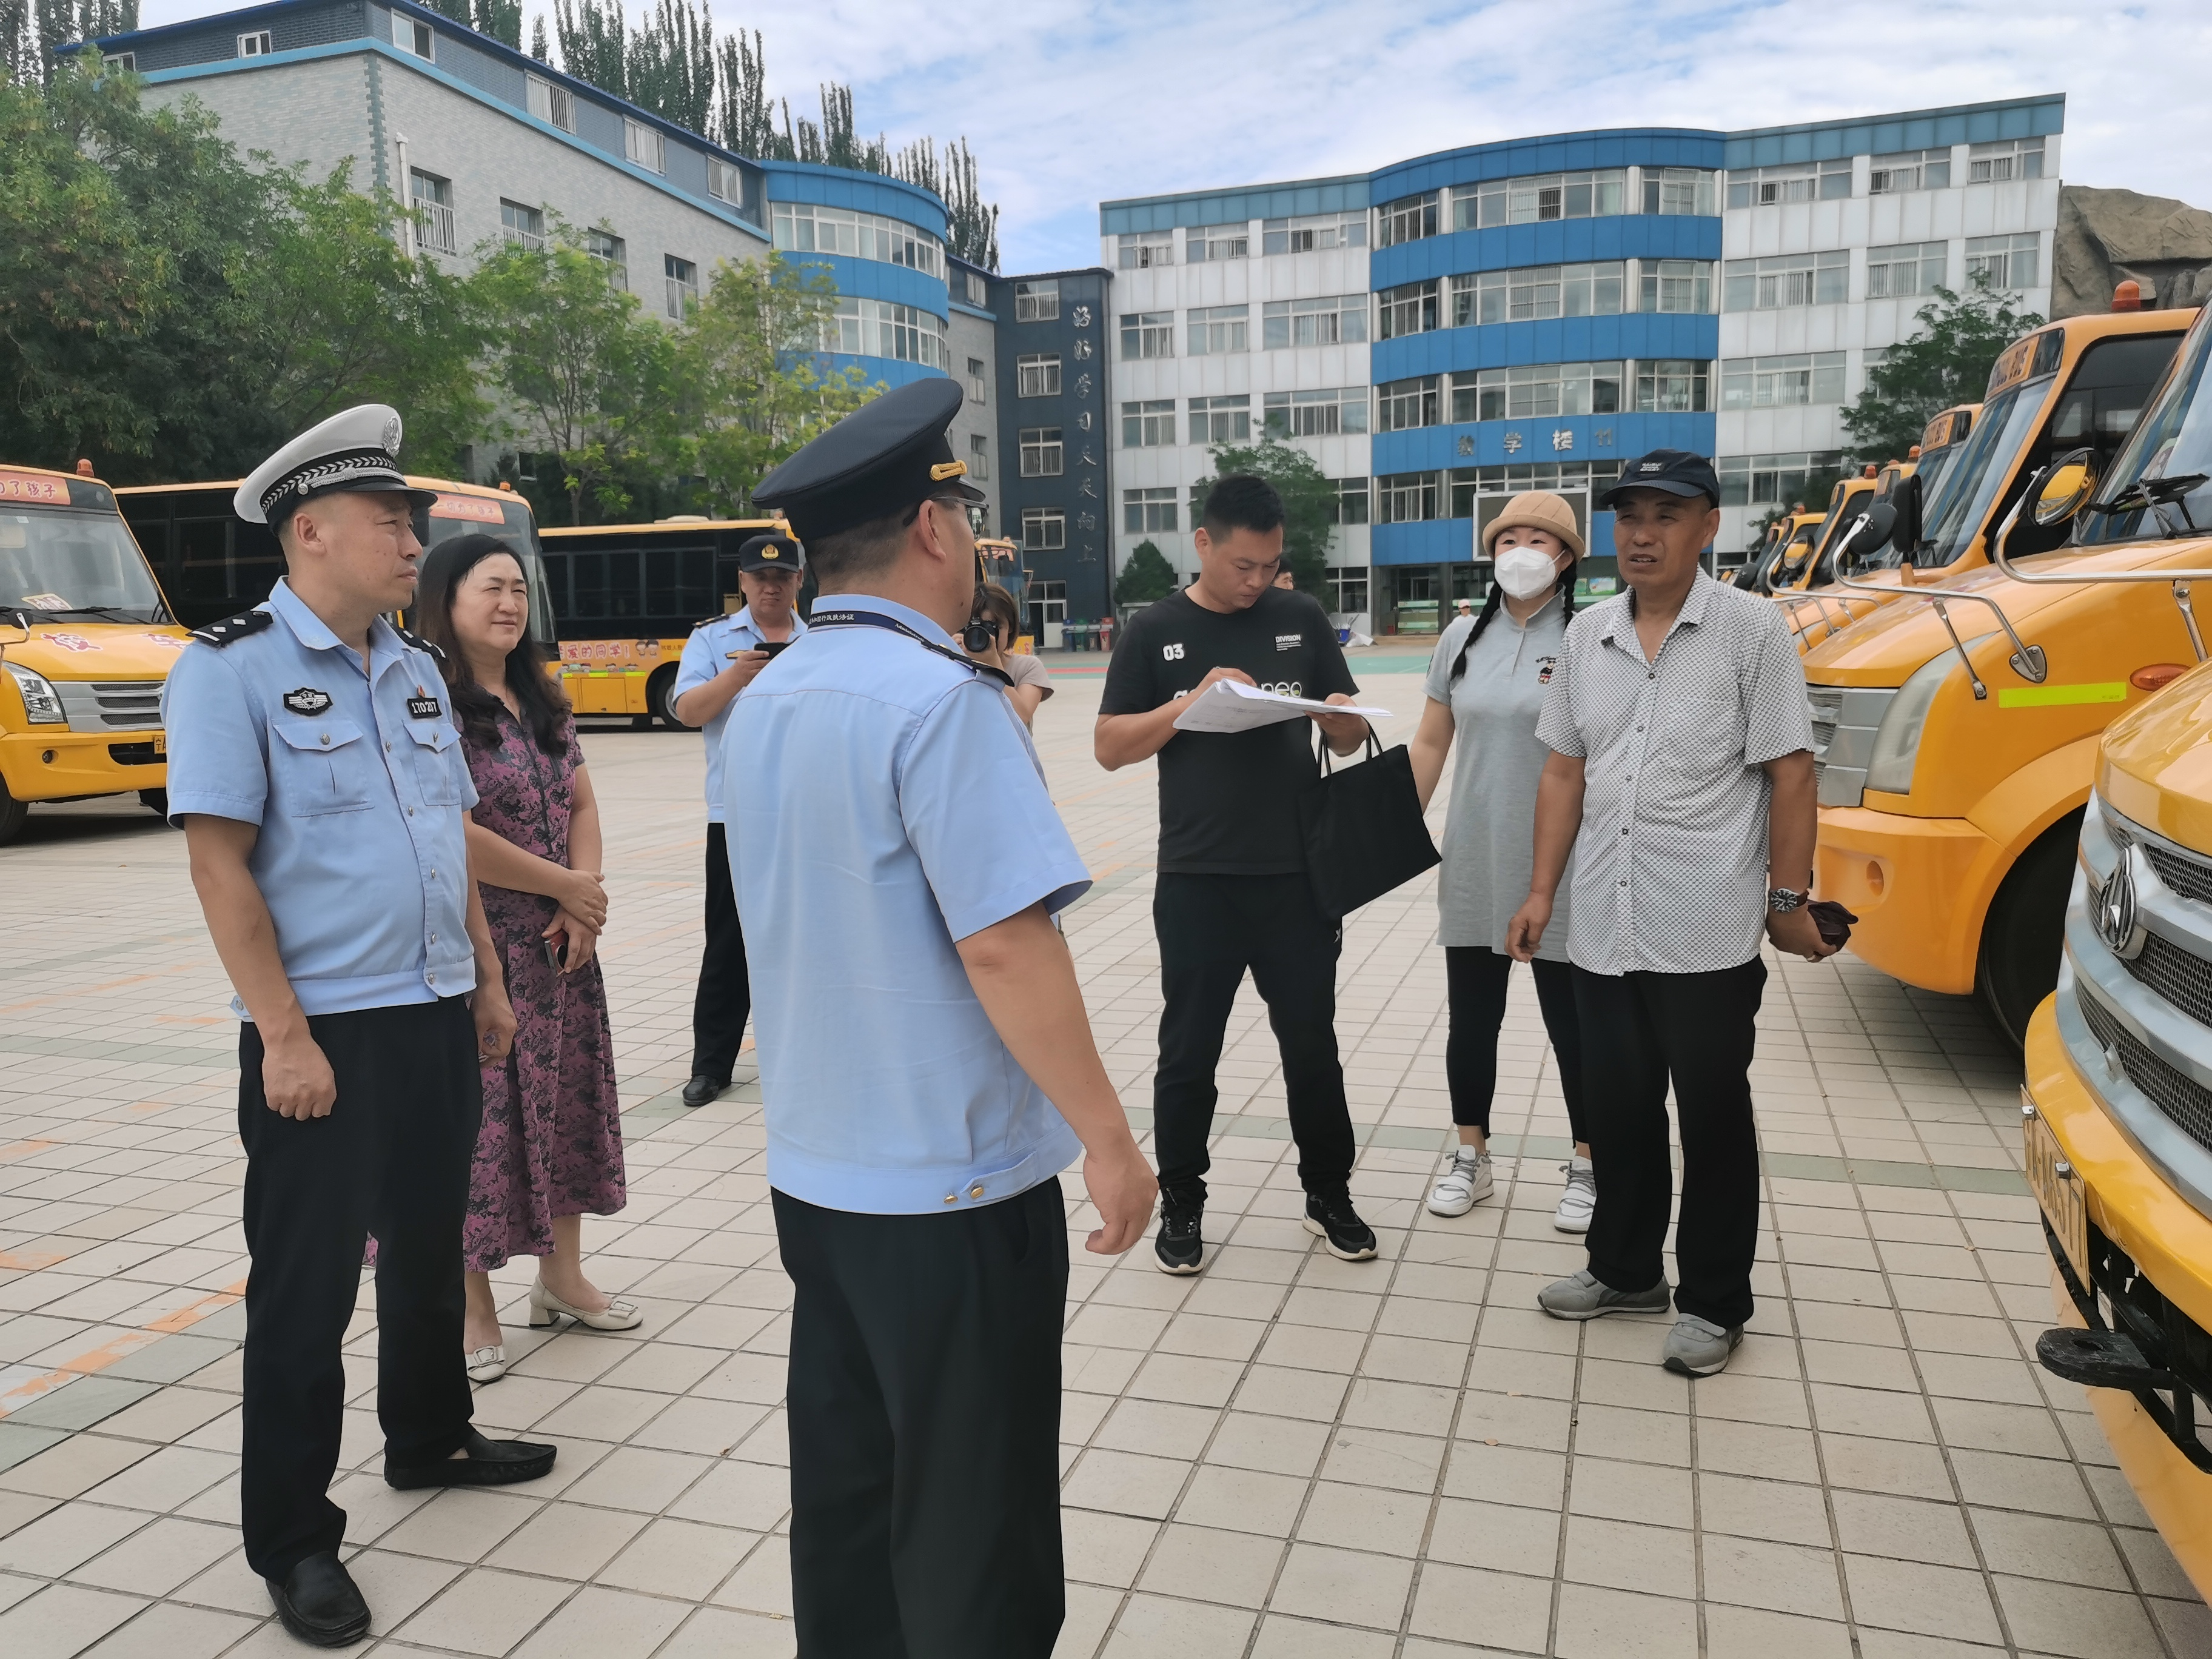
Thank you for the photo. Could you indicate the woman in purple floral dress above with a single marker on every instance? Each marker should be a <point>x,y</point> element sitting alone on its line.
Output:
<point>550,1148</point>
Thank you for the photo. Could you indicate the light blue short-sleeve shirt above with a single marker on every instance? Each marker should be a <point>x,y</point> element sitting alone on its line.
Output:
<point>707,653</point>
<point>894,806</point>
<point>358,784</point>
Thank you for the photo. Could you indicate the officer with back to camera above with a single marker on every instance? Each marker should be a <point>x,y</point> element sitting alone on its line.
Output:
<point>315,769</point>
<point>926,1063</point>
<point>719,660</point>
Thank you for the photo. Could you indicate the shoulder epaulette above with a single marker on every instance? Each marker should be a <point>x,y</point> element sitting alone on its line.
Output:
<point>720,616</point>
<point>231,630</point>
<point>420,643</point>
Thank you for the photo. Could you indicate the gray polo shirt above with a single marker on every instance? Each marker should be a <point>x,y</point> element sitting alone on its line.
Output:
<point>1489,845</point>
<point>1669,872</point>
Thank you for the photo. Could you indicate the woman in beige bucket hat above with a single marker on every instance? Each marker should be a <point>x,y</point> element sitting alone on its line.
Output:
<point>1485,687</point>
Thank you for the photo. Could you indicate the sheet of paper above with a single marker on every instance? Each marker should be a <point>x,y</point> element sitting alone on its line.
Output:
<point>1233,706</point>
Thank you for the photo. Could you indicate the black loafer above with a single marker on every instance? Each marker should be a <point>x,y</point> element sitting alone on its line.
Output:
<point>489,1463</point>
<point>320,1603</point>
<point>702,1089</point>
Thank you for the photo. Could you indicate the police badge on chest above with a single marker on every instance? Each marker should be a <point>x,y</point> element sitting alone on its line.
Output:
<point>307,701</point>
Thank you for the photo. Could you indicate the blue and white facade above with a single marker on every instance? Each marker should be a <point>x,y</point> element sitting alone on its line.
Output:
<point>1444,332</point>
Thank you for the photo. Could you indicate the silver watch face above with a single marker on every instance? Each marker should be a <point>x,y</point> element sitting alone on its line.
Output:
<point>1782,900</point>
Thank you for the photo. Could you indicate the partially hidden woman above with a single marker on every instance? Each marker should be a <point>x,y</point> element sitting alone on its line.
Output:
<point>1485,687</point>
<point>551,1150</point>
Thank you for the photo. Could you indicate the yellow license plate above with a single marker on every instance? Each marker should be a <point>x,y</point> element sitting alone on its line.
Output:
<point>2058,1188</point>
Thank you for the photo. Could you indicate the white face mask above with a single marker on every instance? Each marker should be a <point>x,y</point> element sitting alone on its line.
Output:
<point>1525,572</point>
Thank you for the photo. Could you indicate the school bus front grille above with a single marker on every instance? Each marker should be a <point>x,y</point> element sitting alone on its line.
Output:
<point>2165,969</point>
<point>2186,876</point>
<point>2181,1097</point>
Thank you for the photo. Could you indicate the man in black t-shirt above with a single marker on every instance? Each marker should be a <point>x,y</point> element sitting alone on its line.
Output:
<point>1232,892</point>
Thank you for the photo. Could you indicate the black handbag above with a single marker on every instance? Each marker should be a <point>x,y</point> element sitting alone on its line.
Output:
<point>1362,829</point>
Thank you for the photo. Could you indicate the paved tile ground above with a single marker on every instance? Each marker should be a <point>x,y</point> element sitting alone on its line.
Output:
<point>1288,1457</point>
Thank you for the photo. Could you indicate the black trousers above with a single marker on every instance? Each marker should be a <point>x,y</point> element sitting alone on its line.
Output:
<point>393,1156</point>
<point>924,1404</point>
<point>1475,980</point>
<point>1639,1030</point>
<point>726,991</point>
<point>1211,929</point>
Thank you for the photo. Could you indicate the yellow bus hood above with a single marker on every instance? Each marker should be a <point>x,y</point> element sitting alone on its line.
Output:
<point>2156,765</point>
<point>95,651</point>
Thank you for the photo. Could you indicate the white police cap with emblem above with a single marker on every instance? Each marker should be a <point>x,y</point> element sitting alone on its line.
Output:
<point>354,450</point>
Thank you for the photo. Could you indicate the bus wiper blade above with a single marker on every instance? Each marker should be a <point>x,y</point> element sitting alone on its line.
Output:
<point>84,611</point>
<point>2157,495</point>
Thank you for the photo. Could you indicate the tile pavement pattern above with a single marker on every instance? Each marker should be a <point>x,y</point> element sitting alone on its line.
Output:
<point>1291,1455</point>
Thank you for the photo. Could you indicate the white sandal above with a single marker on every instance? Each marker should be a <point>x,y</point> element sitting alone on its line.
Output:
<point>545,1308</point>
<point>487,1364</point>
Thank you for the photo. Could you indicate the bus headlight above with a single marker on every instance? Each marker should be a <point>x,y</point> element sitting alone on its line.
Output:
<point>1897,742</point>
<point>40,700</point>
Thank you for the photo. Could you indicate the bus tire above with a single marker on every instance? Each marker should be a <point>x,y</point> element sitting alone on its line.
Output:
<point>2024,933</point>
<point>658,690</point>
<point>13,813</point>
<point>156,801</point>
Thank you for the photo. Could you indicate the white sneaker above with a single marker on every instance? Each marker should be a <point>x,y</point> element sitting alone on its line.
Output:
<point>1579,1200</point>
<point>1463,1186</point>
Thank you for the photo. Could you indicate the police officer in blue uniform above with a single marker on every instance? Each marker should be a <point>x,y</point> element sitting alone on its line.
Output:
<point>719,660</point>
<point>926,1063</point>
<point>316,772</point>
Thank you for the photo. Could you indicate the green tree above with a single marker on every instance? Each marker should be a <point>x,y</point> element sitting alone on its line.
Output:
<point>1146,576</point>
<point>1945,361</point>
<point>1308,504</point>
<point>672,64</point>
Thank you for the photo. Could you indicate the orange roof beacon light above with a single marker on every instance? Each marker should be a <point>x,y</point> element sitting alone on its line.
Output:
<point>83,467</point>
<point>2127,296</point>
<point>1912,453</point>
<point>508,487</point>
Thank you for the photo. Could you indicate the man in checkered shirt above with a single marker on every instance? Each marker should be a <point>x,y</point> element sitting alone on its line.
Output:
<point>1681,779</point>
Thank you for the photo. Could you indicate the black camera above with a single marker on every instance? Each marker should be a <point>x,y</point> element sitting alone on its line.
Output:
<point>979,635</point>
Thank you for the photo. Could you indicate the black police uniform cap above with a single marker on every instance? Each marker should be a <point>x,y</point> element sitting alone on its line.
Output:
<point>880,459</point>
<point>1676,472</point>
<point>769,552</point>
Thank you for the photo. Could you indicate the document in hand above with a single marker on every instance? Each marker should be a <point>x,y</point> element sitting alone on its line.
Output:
<point>1233,706</point>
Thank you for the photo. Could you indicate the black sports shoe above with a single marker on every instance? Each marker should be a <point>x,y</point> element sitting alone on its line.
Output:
<point>1179,1249</point>
<point>1333,1220</point>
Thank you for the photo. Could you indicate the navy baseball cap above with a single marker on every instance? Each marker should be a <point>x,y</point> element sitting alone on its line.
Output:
<point>1677,471</point>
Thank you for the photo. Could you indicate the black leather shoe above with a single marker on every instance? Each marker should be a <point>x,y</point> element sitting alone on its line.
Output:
<point>702,1089</point>
<point>489,1463</point>
<point>320,1603</point>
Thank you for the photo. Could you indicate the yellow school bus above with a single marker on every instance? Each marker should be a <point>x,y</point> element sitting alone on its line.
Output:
<point>1789,538</point>
<point>87,637</point>
<point>2117,1114</point>
<point>1955,729</point>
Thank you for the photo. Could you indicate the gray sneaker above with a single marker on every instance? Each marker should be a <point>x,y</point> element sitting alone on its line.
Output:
<point>1697,1347</point>
<point>1582,1296</point>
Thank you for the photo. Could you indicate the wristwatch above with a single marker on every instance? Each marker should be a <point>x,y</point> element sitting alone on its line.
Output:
<point>1782,901</point>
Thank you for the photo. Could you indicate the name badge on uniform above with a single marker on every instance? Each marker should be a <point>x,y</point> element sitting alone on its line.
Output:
<point>307,701</point>
<point>420,708</point>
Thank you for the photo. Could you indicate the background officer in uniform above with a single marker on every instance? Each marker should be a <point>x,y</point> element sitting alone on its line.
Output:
<point>927,1066</point>
<point>317,773</point>
<point>719,660</point>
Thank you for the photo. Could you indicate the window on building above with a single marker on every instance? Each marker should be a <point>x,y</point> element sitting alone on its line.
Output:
<point>1037,374</point>
<point>1203,243</point>
<point>254,45</point>
<point>523,227</point>
<point>1041,452</point>
<point>554,104</point>
<point>1910,169</point>
<point>1772,480</point>
<point>1146,249</point>
<point>1149,424</point>
<point>1539,291</point>
<point>1672,386</point>
<point>724,182</point>
<point>1533,390</point>
<point>683,279</point>
<point>1221,420</point>
<point>1406,498</point>
<point>1198,493</point>
<point>979,382</point>
<point>433,198</point>
<point>2009,158</point>
<point>1044,530</point>
<point>2007,261</point>
<point>646,146</point>
<point>1351,496</point>
<point>1215,330</point>
<point>1048,600</point>
<point>1036,302</point>
<point>127,61</point>
<point>412,37</point>
<point>1313,233</point>
<point>1680,285</point>
<point>1789,279</point>
<point>1815,377</point>
<point>1148,512</point>
<point>978,457</point>
<point>1406,220</point>
<point>1410,309</point>
<point>877,328</point>
<point>1797,182</point>
<point>804,227</point>
<point>1347,583</point>
<point>1402,406</point>
<point>1679,191</point>
<point>1907,269</point>
<point>974,290</point>
<point>611,251</point>
<point>1332,319</point>
<point>1534,200</point>
<point>1147,334</point>
<point>1321,413</point>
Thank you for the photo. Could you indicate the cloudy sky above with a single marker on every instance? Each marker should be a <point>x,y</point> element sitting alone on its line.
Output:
<point>1069,102</point>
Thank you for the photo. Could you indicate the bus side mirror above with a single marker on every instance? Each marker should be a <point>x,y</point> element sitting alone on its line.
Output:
<point>1880,526</point>
<point>1905,501</point>
<point>2068,483</point>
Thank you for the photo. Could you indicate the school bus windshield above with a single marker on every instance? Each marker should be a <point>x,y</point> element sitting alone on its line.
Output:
<point>64,563</point>
<point>1981,470</point>
<point>2173,441</point>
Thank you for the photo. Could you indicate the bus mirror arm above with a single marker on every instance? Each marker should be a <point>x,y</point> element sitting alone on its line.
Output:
<point>2178,580</point>
<point>2027,660</point>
